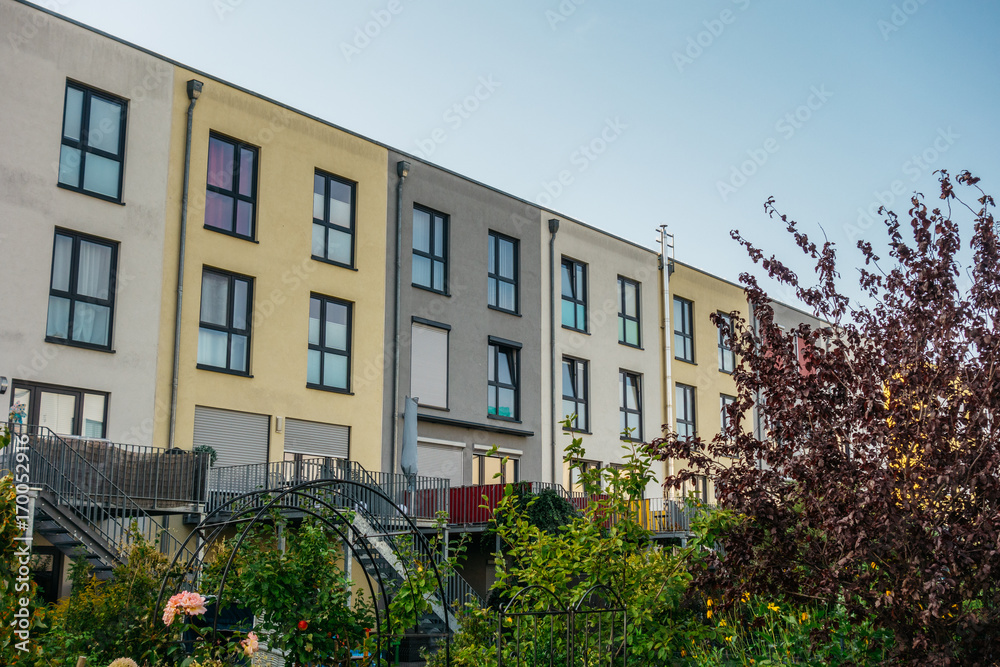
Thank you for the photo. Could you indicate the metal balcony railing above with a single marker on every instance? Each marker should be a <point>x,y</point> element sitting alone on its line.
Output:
<point>109,486</point>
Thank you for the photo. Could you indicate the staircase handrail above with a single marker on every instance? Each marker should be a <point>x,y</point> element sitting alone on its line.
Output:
<point>68,491</point>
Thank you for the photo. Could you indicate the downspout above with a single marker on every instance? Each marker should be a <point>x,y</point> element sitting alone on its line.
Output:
<point>193,91</point>
<point>666,267</point>
<point>553,228</point>
<point>402,170</point>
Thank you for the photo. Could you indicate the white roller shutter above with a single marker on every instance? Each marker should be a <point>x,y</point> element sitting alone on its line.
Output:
<point>304,437</point>
<point>429,365</point>
<point>237,437</point>
<point>438,461</point>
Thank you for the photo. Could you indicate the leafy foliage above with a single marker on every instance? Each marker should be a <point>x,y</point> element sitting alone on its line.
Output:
<point>12,591</point>
<point>875,485</point>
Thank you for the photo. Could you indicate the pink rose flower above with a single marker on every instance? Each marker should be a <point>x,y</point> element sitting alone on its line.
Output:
<point>250,644</point>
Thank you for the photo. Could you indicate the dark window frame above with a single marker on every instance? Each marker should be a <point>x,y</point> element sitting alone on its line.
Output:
<point>229,329</point>
<point>623,376</point>
<point>234,193</point>
<point>429,255</point>
<point>479,468</point>
<point>83,143</point>
<point>686,333</point>
<point>725,400</point>
<point>624,317</point>
<point>575,365</point>
<point>726,352</point>
<point>73,296</point>
<point>689,415</point>
<point>327,225</point>
<point>574,480</point>
<point>494,350</point>
<point>37,388</point>
<point>493,278</point>
<point>323,350</point>
<point>576,299</point>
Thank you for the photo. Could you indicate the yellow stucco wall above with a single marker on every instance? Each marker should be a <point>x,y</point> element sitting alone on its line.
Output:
<point>708,294</point>
<point>291,147</point>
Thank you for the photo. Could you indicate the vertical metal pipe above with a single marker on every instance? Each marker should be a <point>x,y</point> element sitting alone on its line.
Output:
<point>402,171</point>
<point>193,91</point>
<point>553,228</point>
<point>668,334</point>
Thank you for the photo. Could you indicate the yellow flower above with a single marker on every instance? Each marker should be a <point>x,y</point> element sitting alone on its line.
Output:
<point>773,607</point>
<point>708,602</point>
<point>683,653</point>
<point>708,614</point>
<point>722,623</point>
<point>805,617</point>
<point>746,596</point>
<point>888,593</point>
<point>729,638</point>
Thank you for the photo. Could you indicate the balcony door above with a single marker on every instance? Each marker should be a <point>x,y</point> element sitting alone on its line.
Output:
<point>64,410</point>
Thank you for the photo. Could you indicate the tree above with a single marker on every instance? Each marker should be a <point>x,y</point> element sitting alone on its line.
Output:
<point>876,483</point>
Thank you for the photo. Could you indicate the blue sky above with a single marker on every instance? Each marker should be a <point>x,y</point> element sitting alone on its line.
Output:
<point>679,112</point>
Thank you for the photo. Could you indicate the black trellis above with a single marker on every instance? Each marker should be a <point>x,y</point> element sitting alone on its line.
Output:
<point>535,629</point>
<point>331,502</point>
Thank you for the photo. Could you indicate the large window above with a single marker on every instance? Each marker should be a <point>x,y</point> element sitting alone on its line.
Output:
<point>683,330</point>
<point>224,334</point>
<point>630,405</point>
<point>727,358</point>
<point>578,468</point>
<point>685,411</point>
<point>329,365</point>
<point>65,410</point>
<point>724,402</point>
<point>503,380</point>
<point>82,291</point>
<point>574,393</point>
<point>231,197</point>
<point>488,469</point>
<point>93,143</point>
<point>333,219</point>
<point>574,295</point>
<point>628,312</point>
<point>429,363</point>
<point>430,250</point>
<point>503,273</point>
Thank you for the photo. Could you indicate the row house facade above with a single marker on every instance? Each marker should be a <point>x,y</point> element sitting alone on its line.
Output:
<point>191,264</point>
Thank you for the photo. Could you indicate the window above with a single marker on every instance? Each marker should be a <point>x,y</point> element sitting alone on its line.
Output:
<point>685,412</point>
<point>683,330</point>
<point>502,375</point>
<point>82,291</point>
<point>485,469</point>
<point>93,143</point>
<point>230,202</point>
<point>333,219</point>
<point>724,402</point>
<point>430,250</point>
<point>577,468</point>
<point>503,273</point>
<point>574,295</point>
<point>329,364</point>
<point>574,392</point>
<point>224,335</point>
<point>727,358</point>
<point>65,410</point>
<point>429,363</point>
<point>628,312</point>
<point>630,406</point>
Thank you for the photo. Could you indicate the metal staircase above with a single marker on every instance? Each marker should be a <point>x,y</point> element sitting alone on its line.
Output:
<point>80,505</point>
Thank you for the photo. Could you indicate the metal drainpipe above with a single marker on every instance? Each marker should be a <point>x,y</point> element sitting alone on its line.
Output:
<point>667,337</point>
<point>553,228</point>
<point>402,170</point>
<point>193,91</point>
